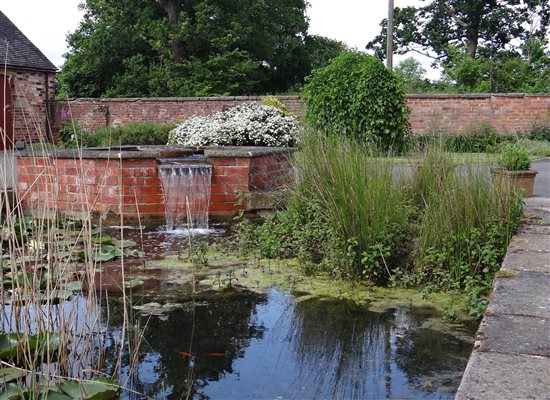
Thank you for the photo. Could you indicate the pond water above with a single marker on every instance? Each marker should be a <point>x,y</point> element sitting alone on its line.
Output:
<point>270,346</point>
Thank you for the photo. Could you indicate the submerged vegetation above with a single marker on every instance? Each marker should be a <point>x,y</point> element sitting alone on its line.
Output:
<point>433,224</point>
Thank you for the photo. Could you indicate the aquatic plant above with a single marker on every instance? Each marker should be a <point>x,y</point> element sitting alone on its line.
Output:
<point>430,223</point>
<point>53,327</point>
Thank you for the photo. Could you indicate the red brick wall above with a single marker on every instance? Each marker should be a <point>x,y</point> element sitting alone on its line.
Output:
<point>100,113</point>
<point>29,103</point>
<point>107,187</point>
<point>508,113</point>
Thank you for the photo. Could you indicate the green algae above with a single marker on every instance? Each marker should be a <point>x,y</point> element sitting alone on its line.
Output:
<point>227,272</point>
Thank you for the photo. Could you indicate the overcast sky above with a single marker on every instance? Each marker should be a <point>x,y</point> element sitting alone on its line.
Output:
<point>46,23</point>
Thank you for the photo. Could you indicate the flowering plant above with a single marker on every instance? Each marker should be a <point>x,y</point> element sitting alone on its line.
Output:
<point>249,124</point>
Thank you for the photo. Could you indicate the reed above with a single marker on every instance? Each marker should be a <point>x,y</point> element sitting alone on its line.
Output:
<point>53,325</point>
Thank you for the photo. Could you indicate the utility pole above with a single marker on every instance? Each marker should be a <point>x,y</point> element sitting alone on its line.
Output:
<point>389,38</point>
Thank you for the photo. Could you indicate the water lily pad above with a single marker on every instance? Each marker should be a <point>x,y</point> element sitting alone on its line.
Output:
<point>103,239</point>
<point>123,243</point>
<point>12,391</point>
<point>104,253</point>
<point>8,374</point>
<point>100,389</point>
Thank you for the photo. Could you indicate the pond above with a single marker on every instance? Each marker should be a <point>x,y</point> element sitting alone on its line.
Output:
<point>239,327</point>
<point>278,344</point>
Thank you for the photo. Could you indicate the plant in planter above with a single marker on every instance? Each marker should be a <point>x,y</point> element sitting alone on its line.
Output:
<point>514,173</point>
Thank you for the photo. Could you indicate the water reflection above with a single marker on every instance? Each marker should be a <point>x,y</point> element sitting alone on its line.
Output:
<point>269,346</point>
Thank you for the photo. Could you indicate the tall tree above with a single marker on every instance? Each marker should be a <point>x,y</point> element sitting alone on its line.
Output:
<point>443,25</point>
<point>186,48</point>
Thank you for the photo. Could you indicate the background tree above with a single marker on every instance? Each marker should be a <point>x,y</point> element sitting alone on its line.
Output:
<point>191,48</point>
<point>441,25</point>
<point>411,75</point>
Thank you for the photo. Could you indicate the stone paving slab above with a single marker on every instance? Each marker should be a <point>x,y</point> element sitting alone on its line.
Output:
<point>526,261</point>
<point>492,376</point>
<point>528,293</point>
<point>530,242</point>
<point>514,333</point>
<point>533,228</point>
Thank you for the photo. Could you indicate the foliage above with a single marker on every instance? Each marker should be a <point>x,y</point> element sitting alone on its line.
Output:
<point>250,124</point>
<point>275,102</point>
<point>501,72</point>
<point>73,135</point>
<point>410,74</point>
<point>357,217</point>
<point>322,50</point>
<point>439,27</point>
<point>132,134</point>
<point>138,48</point>
<point>540,131</point>
<point>356,96</point>
<point>514,158</point>
<point>464,224</point>
<point>534,148</point>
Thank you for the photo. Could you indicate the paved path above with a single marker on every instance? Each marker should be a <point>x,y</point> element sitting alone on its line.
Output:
<point>542,183</point>
<point>511,356</point>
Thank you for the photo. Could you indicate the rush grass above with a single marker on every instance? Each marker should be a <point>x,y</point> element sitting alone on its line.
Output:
<point>431,223</point>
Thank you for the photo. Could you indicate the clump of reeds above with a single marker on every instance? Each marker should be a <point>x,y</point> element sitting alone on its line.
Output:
<point>52,307</point>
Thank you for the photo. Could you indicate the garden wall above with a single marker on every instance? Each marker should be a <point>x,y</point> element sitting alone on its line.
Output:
<point>507,113</point>
<point>108,185</point>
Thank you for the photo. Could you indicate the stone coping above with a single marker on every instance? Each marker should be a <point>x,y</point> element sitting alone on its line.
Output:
<point>296,97</point>
<point>147,152</point>
<point>511,356</point>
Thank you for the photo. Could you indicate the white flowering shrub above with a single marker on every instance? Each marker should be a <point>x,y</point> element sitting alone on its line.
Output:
<point>249,124</point>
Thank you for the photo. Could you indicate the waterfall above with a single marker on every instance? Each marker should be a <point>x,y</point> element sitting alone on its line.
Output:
<point>186,185</point>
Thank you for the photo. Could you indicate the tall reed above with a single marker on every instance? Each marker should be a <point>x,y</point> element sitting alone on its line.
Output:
<point>360,198</point>
<point>51,301</point>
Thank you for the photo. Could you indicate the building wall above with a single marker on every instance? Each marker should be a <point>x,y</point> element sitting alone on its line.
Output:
<point>508,113</point>
<point>29,104</point>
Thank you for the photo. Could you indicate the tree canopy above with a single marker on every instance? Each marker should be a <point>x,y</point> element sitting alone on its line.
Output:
<point>441,26</point>
<point>191,48</point>
<point>482,45</point>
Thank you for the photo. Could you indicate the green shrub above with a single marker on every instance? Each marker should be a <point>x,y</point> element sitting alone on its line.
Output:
<point>540,131</point>
<point>356,96</point>
<point>514,158</point>
<point>73,135</point>
<point>133,134</point>
<point>278,104</point>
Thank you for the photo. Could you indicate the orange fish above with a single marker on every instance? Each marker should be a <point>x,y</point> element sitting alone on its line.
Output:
<point>216,354</point>
<point>185,354</point>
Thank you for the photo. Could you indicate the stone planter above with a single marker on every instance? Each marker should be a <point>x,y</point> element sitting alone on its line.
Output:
<point>522,182</point>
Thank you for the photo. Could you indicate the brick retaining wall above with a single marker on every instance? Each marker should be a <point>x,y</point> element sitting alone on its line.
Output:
<point>507,113</point>
<point>130,185</point>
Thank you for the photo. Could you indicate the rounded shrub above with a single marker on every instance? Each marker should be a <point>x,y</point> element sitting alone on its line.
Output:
<point>249,124</point>
<point>514,158</point>
<point>356,96</point>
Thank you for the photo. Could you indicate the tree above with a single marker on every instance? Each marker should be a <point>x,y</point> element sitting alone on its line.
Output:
<point>441,26</point>
<point>356,96</point>
<point>186,48</point>
<point>411,74</point>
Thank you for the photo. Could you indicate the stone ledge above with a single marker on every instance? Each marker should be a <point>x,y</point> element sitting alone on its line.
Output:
<point>491,376</point>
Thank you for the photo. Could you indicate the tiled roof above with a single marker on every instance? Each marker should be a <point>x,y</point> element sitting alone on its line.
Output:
<point>21,52</point>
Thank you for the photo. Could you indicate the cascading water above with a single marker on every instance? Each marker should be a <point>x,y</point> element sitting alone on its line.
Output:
<point>186,188</point>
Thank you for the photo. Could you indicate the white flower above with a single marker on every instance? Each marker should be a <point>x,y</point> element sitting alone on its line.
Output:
<point>249,124</point>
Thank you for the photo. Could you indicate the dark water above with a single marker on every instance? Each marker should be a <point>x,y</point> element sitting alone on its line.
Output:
<point>271,347</point>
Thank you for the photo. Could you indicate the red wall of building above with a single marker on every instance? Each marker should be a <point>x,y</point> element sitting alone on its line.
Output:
<point>29,97</point>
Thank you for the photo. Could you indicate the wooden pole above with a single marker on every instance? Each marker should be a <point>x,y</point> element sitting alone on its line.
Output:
<point>389,38</point>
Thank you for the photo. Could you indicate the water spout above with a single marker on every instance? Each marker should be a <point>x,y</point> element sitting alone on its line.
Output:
<point>186,189</point>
